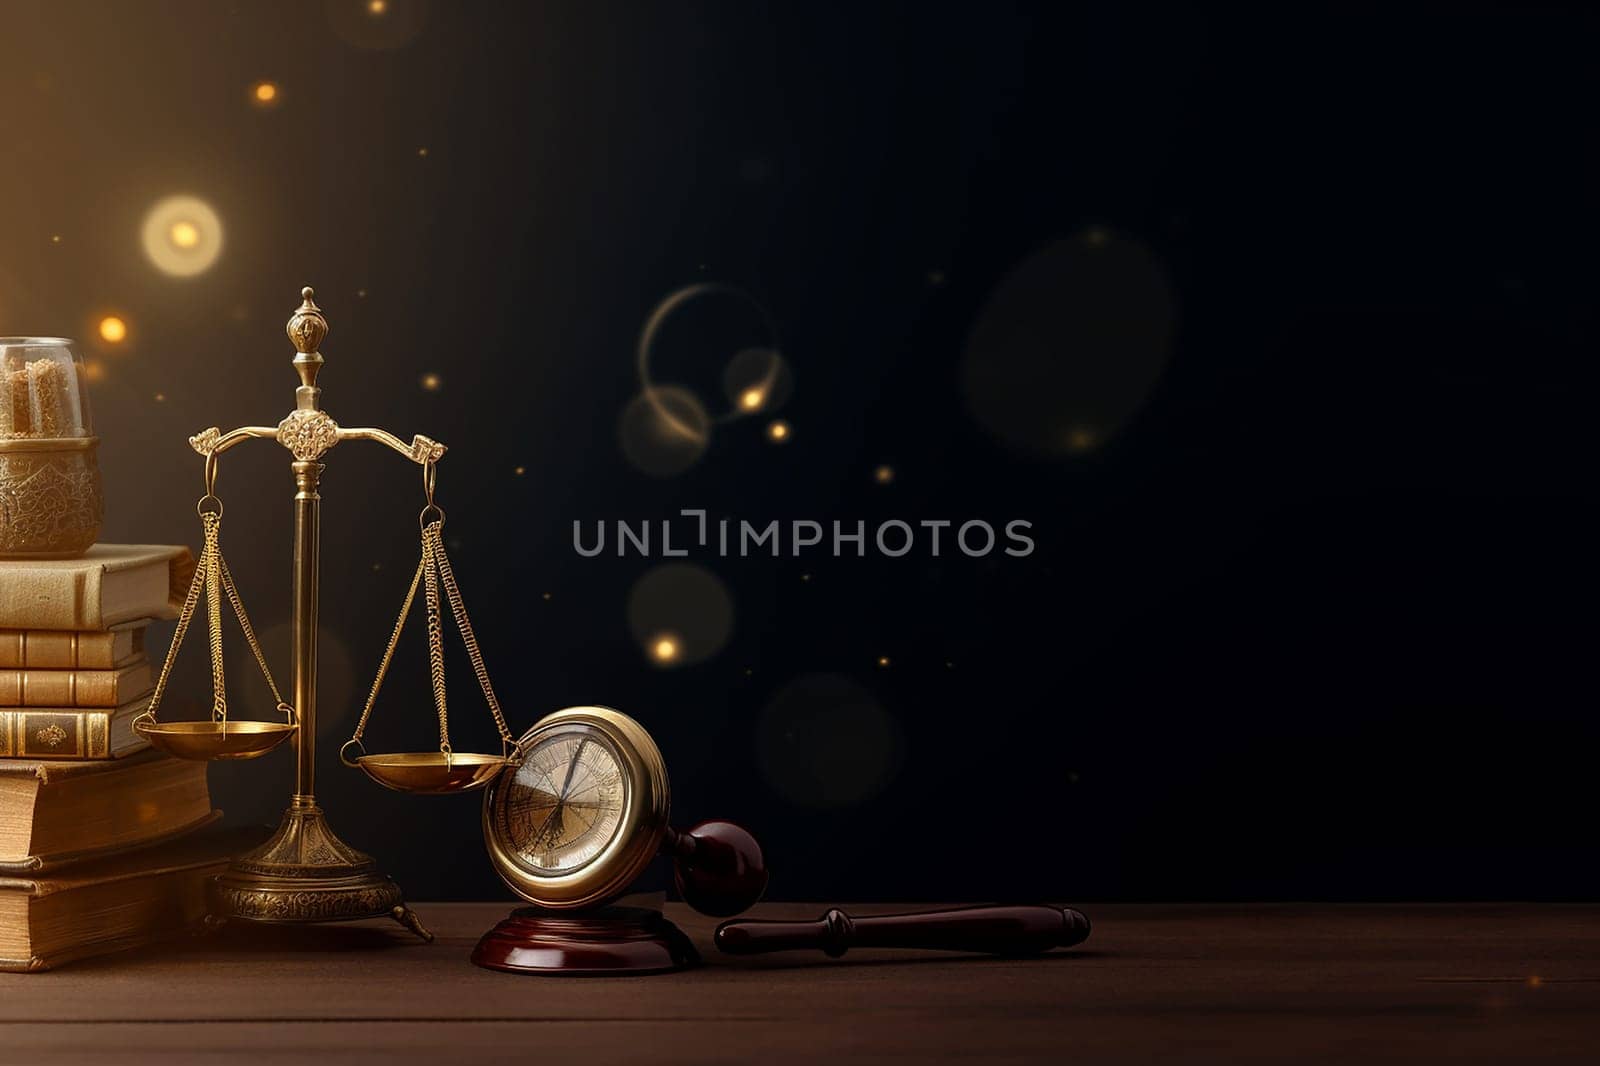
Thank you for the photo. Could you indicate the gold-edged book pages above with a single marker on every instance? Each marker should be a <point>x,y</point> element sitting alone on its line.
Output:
<point>53,813</point>
<point>152,895</point>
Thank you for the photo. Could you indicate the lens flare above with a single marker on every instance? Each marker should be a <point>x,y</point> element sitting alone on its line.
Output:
<point>664,430</point>
<point>113,330</point>
<point>182,236</point>
<point>680,613</point>
<point>1070,345</point>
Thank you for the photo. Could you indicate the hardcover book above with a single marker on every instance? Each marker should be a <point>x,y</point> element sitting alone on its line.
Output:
<point>107,585</point>
<point>53,813</point>
<point>75,688</point>
<point>141,897</point>
<point>71,732</point>
<point>55,649</point>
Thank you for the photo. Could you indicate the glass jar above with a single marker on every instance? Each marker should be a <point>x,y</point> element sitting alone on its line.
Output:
<point>50,497</point>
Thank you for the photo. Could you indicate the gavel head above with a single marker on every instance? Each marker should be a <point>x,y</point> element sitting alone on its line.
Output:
<point>718,868</point>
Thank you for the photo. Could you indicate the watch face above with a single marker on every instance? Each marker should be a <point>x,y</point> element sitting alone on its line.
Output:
<point>565,803</point>
<point>581,810</point>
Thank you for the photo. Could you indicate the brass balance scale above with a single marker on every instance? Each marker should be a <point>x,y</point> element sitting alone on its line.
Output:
<point>570,847</point>
<point>304,872</point>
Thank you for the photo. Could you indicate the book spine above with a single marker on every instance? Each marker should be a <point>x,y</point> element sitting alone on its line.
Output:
<point>60,688</point>
<point>27,649</point>
<point>74,688</point>
<point>63,734</point>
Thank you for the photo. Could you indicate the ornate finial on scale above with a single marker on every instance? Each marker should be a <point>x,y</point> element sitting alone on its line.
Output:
<point>306,328</point>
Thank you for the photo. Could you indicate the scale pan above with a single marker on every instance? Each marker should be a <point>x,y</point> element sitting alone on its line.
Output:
<point>432,772</point>
<point>216,740</point>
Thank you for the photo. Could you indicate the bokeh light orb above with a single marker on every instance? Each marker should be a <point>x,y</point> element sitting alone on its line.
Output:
<point>182,236</point>
<point>264,94</point>
<point>377,25</point>
<point>779,431</point>
<point>664,430</point>
<point>338,700</point>
<point>824,742</point>
<point>113,329</point>
<point>757,380</point>
<point>430,382</point>
<point>680,613</point>
<point>1070,344</point>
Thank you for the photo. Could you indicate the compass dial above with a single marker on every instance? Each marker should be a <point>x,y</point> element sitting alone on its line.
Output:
<point>565,802</point>
<point>581,810</point>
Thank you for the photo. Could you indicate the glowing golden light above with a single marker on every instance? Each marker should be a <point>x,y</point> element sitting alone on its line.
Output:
<point>422,152</point>
<point>377,7</point>
<point>1082,439</point>
<point>751,399</point>
<point>778,431</point>
<point>182,236</point>
<point>113,330</point>
<point>519,471</point>
<point>883,660</point>
<point>664,649</point>
<point>1534,981</point>
<point>431,382</point>
<point>883,475</point>
<point>94,370</point>
<point>55,238</point>
<point>264,92</point>
<point>161,397</point>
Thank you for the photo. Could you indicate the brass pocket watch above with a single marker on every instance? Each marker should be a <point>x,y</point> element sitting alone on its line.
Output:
<point>571,823</point>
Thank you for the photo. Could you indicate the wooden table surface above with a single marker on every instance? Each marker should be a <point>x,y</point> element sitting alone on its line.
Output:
<point>1234,983</point>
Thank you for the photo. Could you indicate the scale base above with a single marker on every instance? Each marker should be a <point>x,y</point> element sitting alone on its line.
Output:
<point>305,873</point>
<point>608,942</point>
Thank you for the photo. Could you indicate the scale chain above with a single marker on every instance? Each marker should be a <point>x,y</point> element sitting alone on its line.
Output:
<point>459,609</point>
<point>213,552</point>
<point>430,536</point>
<point>388,652</point>
<point>190,601</point>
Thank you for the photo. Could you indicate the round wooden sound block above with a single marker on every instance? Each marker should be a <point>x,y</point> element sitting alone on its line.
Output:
<point>611,941</point>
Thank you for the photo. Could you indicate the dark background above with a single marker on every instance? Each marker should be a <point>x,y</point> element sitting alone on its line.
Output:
<point>1311,617</point>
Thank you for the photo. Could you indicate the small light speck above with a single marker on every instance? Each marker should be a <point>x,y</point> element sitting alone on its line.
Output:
<point>431,382</point>
<point>422,153</point>
<point>161,397</point>
<point>361,294</point>
<point>55,238</point>
<point>805,577</point>
<point>519,471</point>
<point>376,567</point>
<point>883,660</point>
<point>949,666</point>
<point>549,595</point>
<point>883,475</point>
<point>1535,981</point>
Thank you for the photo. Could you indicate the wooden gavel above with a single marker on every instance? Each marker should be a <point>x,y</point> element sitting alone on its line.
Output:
<point>997,930</point>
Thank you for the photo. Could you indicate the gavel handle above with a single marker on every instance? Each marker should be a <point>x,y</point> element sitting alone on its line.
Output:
<point>1002,930</point>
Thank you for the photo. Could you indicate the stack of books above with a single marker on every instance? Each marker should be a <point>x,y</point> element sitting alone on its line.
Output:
<point>98,842</point>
